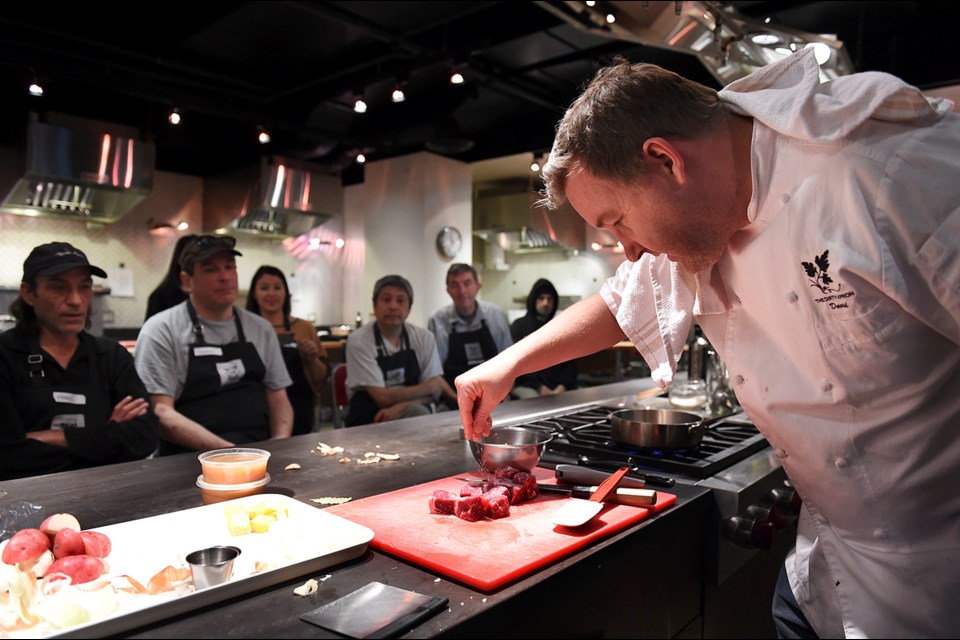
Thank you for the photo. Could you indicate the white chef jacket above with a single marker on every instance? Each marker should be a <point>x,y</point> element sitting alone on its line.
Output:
<point>837,313</point>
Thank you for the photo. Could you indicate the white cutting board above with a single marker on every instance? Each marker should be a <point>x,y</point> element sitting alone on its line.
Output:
<point>312,539</point>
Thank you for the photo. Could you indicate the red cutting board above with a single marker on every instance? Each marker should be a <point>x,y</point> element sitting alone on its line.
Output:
<point>486,554</point>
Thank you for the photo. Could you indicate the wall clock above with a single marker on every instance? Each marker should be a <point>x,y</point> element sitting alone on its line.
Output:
<point>449,242</point>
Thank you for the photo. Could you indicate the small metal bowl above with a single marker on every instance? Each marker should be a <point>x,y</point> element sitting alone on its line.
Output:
<point>212,566</point>
<point>519,447</point>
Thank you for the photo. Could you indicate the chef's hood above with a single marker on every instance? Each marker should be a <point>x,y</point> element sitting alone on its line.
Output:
<point>279,198</point>
<point>91,175</point>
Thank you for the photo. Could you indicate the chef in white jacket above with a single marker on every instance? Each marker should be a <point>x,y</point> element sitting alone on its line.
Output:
<point>812,229</point>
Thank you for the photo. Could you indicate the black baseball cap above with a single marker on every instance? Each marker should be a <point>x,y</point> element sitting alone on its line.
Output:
<point>203,247</point>
<point>56,257</point>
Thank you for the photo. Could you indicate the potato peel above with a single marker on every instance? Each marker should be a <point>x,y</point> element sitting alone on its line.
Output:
<point>330,500</point>
<point>307,588</point>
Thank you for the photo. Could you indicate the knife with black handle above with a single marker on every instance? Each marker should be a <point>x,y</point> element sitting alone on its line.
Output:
<point>624,495</point>
<point>576,474</point>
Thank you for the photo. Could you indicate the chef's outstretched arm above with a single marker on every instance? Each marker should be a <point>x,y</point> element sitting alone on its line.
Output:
<point>585,328</point>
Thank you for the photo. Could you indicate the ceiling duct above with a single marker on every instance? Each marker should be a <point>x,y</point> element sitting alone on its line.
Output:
<point>729,44</point>
<point>280,198</point>
<point>91,175</point>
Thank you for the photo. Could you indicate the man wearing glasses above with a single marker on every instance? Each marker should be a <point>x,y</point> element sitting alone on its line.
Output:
<point>214,371</point>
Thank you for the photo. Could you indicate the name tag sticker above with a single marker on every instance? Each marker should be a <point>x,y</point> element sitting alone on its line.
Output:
<point>230,371</point>
<point>69,398</point>
<point>68,421</point>
<point>207,351</point>
<point>474,352</point>
<point>395,377</point>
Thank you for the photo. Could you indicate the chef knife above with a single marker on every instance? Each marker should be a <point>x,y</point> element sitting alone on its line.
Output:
<point>624,495</point>
<point>575,474</point>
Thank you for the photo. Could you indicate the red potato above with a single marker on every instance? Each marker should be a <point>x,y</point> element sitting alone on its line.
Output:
<point>68,543</point>
<point>96,544</point>
<point>79,569</point>
<point>53,524</point>
<point>26,545</point>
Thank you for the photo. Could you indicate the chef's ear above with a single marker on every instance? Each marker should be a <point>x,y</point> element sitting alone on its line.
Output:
<point>665,159</point>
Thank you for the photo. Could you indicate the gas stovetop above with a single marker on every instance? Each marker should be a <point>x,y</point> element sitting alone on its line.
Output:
<point>584,437</point>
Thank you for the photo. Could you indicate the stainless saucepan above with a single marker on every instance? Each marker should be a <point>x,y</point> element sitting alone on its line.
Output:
<point>661,429</point>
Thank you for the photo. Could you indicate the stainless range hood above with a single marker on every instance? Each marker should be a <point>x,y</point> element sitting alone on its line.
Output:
<point>280,198</point>
<point>90,175</point>
<point>506,215</point>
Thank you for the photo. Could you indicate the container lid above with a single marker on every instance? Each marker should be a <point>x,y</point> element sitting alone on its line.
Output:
<point>211,457</point>
<point>246,486</point>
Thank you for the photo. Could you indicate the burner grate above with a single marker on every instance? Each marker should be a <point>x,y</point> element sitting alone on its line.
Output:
<point>587,435</point>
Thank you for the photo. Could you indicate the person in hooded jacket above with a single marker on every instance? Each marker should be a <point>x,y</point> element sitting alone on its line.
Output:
<point>541,307</point>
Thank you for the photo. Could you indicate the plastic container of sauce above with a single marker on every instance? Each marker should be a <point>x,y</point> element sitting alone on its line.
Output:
<point>213,493</point>
<point>234,466</point>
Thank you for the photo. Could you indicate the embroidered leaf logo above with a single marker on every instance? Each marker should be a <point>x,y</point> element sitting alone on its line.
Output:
<point>817,272</point>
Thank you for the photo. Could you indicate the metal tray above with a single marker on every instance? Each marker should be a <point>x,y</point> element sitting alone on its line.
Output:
<point>314,540</point>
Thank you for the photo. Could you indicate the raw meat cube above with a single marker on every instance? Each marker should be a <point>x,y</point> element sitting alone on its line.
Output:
<point>469,508</point>
<point>443,501</point>
<point>495,505</point>
<point>469,490</point>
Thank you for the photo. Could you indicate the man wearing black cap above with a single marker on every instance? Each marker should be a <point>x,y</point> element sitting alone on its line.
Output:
<point>393,369</point>
<point>68,399</point>
<point>214,371</point>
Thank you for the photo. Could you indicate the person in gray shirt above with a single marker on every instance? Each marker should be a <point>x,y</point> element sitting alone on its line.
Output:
<point>468,331</point>
<point>214,372</point>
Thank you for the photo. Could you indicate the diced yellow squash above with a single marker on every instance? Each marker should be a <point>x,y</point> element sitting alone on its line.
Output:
<point>261,523</point>
<point>238,524</point>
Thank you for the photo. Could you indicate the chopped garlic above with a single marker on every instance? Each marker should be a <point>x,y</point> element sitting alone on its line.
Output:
<point>390,456</point>
<point>345,461</point>
<point>369,460</point>
<point>291,466</point>
<point>307,588</point>
<point>327,450</point>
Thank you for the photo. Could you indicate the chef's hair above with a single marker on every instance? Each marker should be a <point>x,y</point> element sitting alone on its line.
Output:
<point>392,280</point>
<point>603,131</point>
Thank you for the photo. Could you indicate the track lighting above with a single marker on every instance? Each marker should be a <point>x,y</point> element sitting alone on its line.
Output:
<point>456,77</point>
<point>35,89</point>
<point>398,95</point>
<point>262,136</point>
<point>361,158</point>
<point>535,165</point>
<point>360,106</point>
<point>174,117</point>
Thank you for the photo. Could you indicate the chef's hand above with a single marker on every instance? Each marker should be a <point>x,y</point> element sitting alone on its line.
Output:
<point>479,391</point>
<point>129,408</point>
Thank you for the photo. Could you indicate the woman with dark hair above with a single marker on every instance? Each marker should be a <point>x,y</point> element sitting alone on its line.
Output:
<point>169,293</point>
<point>302,352</point>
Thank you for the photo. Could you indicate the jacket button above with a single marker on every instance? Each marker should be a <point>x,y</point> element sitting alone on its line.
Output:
<point>840,463</point>
<point>780,453</point>
<point>827,387</point>
<point>792,297</point>
<point>785,198</point>
<point>738,380</point>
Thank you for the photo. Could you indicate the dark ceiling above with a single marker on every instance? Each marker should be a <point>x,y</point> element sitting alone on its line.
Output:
<point>294,68</point>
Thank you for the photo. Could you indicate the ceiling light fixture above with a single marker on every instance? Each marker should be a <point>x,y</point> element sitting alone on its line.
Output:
<point>456,77</point>
<point>611,18</point>
<point>35,89</point>
<point>398,95</point>
<point>338,243</point>
<point>174,117</point>
<point>360,106</point>
<point>361,158</point>
<point>535,165</point>
<point>262,136</point>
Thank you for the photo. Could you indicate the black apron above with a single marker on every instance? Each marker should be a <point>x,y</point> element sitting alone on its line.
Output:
<point>399,369</point>
<point>72,406</point>
<point>465,350</point>
<point>299,392</point>
<point>224,389</point>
